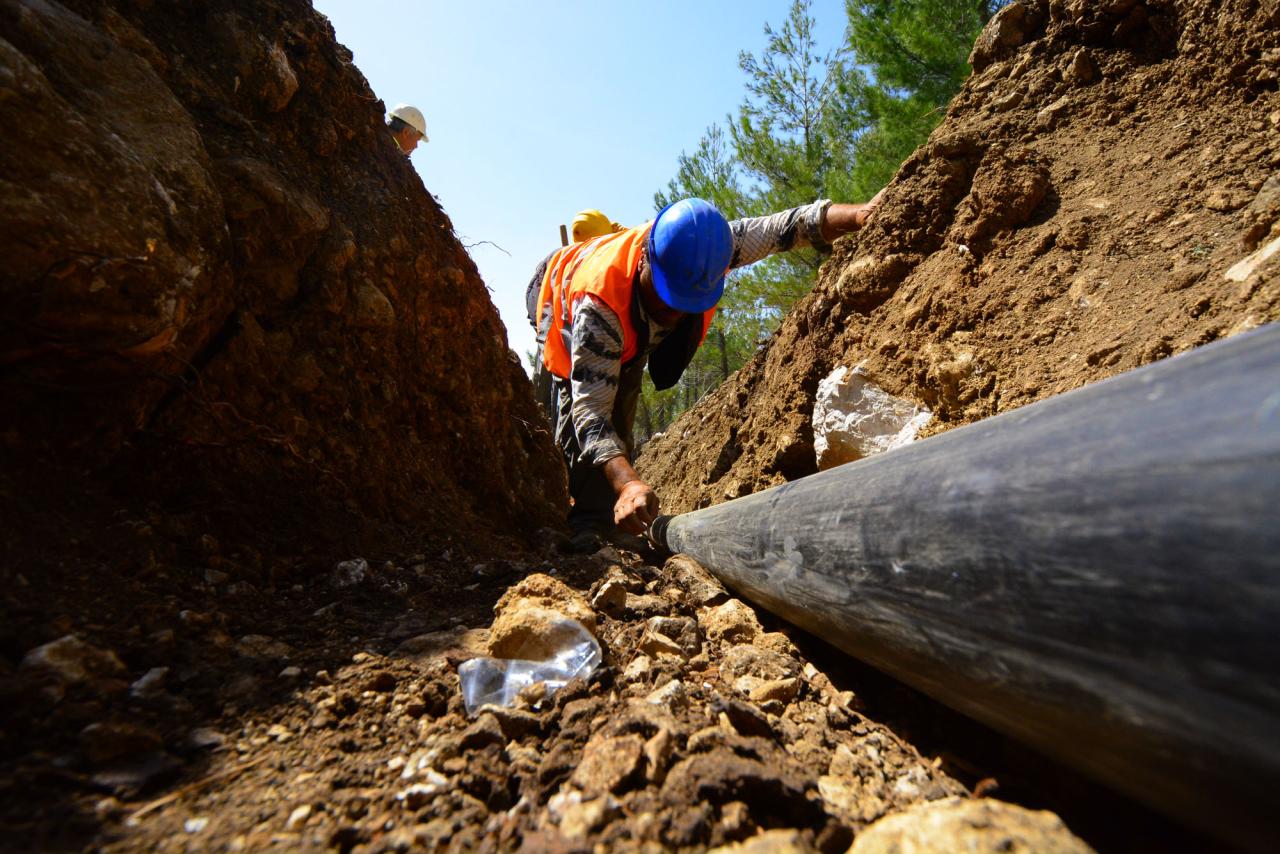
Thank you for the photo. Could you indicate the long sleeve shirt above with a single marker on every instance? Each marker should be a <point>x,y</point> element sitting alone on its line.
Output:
<point>596,337</point>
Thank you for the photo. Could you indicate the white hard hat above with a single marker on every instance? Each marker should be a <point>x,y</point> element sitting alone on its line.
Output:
<point>411,116</point>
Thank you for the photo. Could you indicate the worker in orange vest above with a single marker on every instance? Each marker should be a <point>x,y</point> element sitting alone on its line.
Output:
<point>591,223</point>
<point>609,306</point>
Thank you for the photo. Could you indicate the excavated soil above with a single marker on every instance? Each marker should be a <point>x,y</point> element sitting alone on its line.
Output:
<point>269,466</point>
<point>1074,216</point>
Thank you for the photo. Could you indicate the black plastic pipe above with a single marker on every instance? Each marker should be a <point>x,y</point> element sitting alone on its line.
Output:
<point>1097,574</point>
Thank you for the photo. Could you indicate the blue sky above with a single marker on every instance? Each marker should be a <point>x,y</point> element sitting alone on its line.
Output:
<point>537,110</point>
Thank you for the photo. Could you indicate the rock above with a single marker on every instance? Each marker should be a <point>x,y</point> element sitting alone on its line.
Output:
<point>671,696</point>
<point>748,660</point>
<point>1226,201</point>
<point>577,817</point>
<point>70,661</point>
<point>515,723</point>
<point>195,825</point>
<point>745,718</point>
<point>657,752</point>
<point>349,573</point>
<point>732,622</point>
<point>1082,70</point>
<point>854,418</point>
<point>780,841</point>
<point>530,619</point>
<point>611,597</point>
<point>777,642</point>
<point>298,818</point>
<point>204,738</point>
<point>419,795</point>
<point>608,764</point>
<point>291,673</point>
<point>1006,30</point>
<point>103,742</point>
<point>150,684</point>
<point>694,585</point>
<point>646,605</point>
<point>659,645</point>
<point>781,690</point>
<point>638,670</point>
<point>280,733</point>
<point>485,730</point>
<point>979,826</point>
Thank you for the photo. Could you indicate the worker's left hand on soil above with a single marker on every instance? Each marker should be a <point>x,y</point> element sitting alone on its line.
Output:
<point>636,507</point>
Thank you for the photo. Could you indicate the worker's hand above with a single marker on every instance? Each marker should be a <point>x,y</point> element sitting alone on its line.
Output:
<point>636,507</point>
<point>867,209</point>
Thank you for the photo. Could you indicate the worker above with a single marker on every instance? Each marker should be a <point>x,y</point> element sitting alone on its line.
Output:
<point>644,296</point>
<point>591,223</point>
<point>407,126</point>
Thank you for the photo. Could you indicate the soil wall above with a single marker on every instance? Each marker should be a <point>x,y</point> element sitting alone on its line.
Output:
<point>224,287</point>
<point>1075,215</point>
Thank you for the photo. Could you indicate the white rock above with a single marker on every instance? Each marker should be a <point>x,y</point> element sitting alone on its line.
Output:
<point>298,817</point>
<point>195,825</point>
<point>854,418</point>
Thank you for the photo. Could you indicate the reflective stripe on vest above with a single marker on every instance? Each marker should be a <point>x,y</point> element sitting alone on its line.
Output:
<point>604,267</point>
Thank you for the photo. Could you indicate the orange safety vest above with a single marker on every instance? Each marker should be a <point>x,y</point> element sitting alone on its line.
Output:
<point>604,267</point>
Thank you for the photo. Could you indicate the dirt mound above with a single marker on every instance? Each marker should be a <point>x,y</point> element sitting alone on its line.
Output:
<point>224,287</point>
<point>1080,212</point>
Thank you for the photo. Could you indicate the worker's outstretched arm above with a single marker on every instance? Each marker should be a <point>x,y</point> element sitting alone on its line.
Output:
<point>637,504</point>
<point>842,219</point>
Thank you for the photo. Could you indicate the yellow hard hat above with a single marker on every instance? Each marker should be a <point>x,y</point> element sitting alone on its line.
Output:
<point>591,223</point>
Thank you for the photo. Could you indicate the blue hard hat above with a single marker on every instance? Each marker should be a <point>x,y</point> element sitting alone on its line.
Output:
<point>690,247</point>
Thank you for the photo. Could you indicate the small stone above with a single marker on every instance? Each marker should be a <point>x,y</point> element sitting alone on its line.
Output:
<point>638,670</point>
<point>978,826</point>
<point>195,825</point>
<point>746,718</point>
<point>1083,69</point>
<point>515,723</point>
<point>70,660</point>
<point>577,817</point>
<point>696,586</point>
<point>485,730</point>
<point>419,795</point>
<point>657,752</point>
<point>291,672</point>
<point>608,764</point>
<point>732,622</point>
<point>611,597</point>
<point>781,690</point>
<point>1225,201</point>
<point>150,684</point>
<point>279,733</point>
<point>646,605</point>
<point>215,576</point>
<point>204,738</point>
<point>656,645</point>
<point>298,818</point>
<point>671,696</point>
<point>349,573</point>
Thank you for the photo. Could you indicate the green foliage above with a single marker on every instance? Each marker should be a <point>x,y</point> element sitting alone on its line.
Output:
<point>918,52</point>
<point>813,125</point>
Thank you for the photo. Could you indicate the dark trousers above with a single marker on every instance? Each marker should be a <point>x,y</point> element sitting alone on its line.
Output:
<point>593,497</point>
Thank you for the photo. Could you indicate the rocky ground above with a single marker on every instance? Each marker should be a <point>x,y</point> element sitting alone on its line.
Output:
<point>190,702</point>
